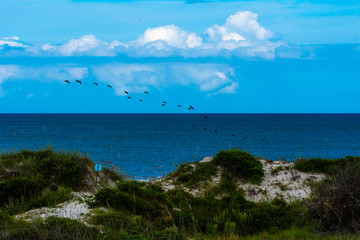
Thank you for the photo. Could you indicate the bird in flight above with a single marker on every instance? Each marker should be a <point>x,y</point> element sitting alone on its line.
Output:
<point>126,92</point>
<point>146,92</point>
<point>204,129</point>
<point>140,100</point>
<point>191,107</point>
<point>67,81</point>
<point>96,83</point>
<point>179,105</point>
<point>109,86</point>
<point>205,116</point>
<point>79,81</point>
<point>164,102</point>
<point>129,97</point>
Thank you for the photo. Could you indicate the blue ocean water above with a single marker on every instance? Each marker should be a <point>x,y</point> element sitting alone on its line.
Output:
<point>136,143</point>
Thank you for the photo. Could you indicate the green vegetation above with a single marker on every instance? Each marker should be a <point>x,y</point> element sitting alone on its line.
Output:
<point>192,174</point>
<point>240,164</point>
<point>322,165</point>
<point>44,178</point>
<point>143,210</point>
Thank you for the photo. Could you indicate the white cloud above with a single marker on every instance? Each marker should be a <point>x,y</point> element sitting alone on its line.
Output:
<point>83,44</point>
<point>16,38</point>
<point>246,23</point>
<point>43,73</point>
<point>240,36</point>
<point>227,89</point>
<point>11,42</point>
<point>172,35</point>
<point>140,77</point>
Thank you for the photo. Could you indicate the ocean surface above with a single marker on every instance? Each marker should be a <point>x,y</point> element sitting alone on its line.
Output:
<point>150,145</point>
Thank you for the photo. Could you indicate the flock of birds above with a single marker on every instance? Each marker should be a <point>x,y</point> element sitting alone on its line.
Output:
<point>127,93</point>
<point>190,108</point>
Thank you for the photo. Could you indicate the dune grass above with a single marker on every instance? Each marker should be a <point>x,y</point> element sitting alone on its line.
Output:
<point>143,210</point>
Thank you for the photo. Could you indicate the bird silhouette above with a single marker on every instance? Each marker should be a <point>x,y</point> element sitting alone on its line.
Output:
<point>126,92</point>
<point>146,92</point>
<point>67,81</point>
<point>205,116</point>
<point>140,100</point>
<point>129,97</point>
<point>96,83</point>
<point>233,135</point>
<point>191,107</point>
<point>204,129</point>
<point>215,131</point>
<point>109,86</point>
<point>179,105</point>
<point>164,102</point>
<point>79,81</point>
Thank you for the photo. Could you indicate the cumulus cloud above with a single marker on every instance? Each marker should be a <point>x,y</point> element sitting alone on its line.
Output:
<point>140,77</point>
<point>241,36</point>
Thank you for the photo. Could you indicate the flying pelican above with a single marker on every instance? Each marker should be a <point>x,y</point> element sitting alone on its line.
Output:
<point>191,107</point>
<point>140,100</point>
<point>96,83</point>
<point>126,92</point>
<point>67,81</point>
<point>164,102</point>
<point>79,81</point>
<point>179,105</point>
<point>109,86</point>
<point>129,97</point>
<point>146,92</point>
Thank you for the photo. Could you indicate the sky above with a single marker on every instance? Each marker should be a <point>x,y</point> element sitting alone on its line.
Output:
<point>268,56</point>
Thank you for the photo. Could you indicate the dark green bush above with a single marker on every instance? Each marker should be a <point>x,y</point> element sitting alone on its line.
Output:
<point>315,165</point>
<point>134,197</point>
<point>336,200</point>
<point>240,164</point>
<point>192,177</point>
<point>19,187</point>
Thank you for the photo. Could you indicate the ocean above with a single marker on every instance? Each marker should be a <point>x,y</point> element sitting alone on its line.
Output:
<point>150,145</point>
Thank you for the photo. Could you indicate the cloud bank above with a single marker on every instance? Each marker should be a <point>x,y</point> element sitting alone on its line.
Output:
<point>241,36</point>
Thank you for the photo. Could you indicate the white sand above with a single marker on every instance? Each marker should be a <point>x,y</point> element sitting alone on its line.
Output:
<point>73,209</point>
<point>289,184</point>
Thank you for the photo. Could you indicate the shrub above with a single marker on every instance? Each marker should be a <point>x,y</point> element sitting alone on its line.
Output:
<point>227,182</point>
<point>134,197</point>
<point>20,187</point>
<point>336,200</point>
<point>240,164</point>
<point>191,178</point>
<point>315,165</point>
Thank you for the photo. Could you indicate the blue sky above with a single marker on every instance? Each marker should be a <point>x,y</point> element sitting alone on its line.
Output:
<point>218,56</point>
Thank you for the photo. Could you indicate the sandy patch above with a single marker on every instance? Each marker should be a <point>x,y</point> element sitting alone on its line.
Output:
<point>73,209</point>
